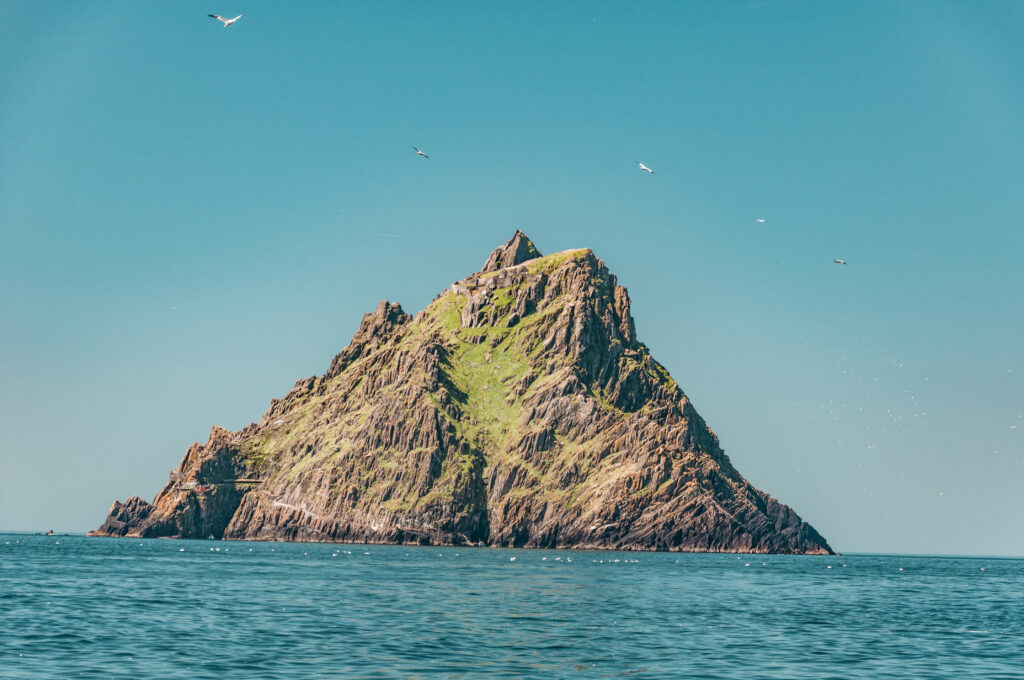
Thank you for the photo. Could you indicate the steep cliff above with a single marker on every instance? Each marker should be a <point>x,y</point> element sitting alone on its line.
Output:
<point>517,409</point>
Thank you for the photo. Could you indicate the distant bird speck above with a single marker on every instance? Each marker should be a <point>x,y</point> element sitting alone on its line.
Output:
<point>644,167</point>
<point>420,153</point>
<point>761,220</point>
<point>227,22</point>
<point>839,261</point>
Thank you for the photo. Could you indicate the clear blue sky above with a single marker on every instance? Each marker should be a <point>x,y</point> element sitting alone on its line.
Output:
<point>193,217</point>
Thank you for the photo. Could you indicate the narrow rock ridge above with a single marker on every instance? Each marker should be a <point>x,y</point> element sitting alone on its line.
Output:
<point>517,409</point>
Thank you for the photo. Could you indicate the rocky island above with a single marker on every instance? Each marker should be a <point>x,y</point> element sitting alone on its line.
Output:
<point>517,409</point>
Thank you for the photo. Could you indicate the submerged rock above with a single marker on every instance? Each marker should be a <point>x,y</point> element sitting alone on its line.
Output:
<point>518,409</point>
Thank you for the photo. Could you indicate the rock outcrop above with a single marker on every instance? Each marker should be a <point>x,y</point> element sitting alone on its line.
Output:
<point>517,409</point>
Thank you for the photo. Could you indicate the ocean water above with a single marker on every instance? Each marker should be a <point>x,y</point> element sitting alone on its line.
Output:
<point>72,607</point>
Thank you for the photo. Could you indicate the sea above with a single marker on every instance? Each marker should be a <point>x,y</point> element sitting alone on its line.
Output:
<point>77,607</point>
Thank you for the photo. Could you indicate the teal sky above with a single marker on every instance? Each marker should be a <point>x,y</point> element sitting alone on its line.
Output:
<point>193,217</point>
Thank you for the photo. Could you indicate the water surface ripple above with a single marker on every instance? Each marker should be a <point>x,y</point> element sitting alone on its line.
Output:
<point>121,608</point>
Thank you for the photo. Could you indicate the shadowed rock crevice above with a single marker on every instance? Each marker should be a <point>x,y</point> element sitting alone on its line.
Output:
<point>517,409</point>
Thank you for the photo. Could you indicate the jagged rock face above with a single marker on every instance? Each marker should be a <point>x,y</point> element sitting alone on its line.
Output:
<point>517,409</point>
<point>519,249</point>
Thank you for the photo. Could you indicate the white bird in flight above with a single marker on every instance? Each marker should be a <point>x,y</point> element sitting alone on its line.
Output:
<point>839,261</point>
<point>420,153</point>
<point>761,220</point>
<point>227,22</point>
<point>644,167</point>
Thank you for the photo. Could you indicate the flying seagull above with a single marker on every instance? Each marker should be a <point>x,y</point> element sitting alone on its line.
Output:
<point>839,261</point>
<point>644,167</point>
<point>227,22</point>
<point>420,153</point>
<point>761,220</point>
